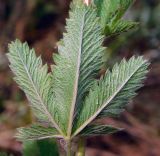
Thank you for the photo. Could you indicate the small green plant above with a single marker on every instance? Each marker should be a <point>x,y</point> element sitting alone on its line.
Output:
<point>68,100</point>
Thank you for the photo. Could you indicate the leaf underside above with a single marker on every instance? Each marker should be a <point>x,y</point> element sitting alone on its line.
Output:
<point>94,130</point>
<point>113,91</point>
<point>77,64</point>
<point>31,76</point>
<point>37,132</point>
<point>70,97</point>
<point>33,79</point>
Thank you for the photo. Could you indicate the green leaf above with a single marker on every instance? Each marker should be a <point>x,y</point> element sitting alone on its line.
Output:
<point>30,148</point>
<point>70,98</point>
<point>40,148</point>
<point>113,91</point>
<point>37,132</point>
<point>33,79</point>
<point>96,130</point>
<point>119,26</point>
<point>111,9</point>
<point>77,64</point>
<point>113,112</point>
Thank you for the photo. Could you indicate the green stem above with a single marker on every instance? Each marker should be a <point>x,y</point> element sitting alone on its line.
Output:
<point>69,150</point>
<point>81,147</point>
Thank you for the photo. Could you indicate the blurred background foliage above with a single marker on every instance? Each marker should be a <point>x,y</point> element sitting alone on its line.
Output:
<point>41,23</point>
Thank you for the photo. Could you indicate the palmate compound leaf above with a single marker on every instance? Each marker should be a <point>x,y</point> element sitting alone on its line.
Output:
<point>37,132</point>
<point>112,92</point>
<point>33,79</point>
<point>77,64</point>
<point>57,99</point>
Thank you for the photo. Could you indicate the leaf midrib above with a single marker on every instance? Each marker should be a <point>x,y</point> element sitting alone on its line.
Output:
<point>47,137</point>
<point>39,97</point>
<point>75,90</point>
<point>44,137</point>
<point>105,104</point>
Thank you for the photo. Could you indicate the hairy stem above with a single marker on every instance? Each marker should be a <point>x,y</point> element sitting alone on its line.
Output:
<point>81,147</point>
